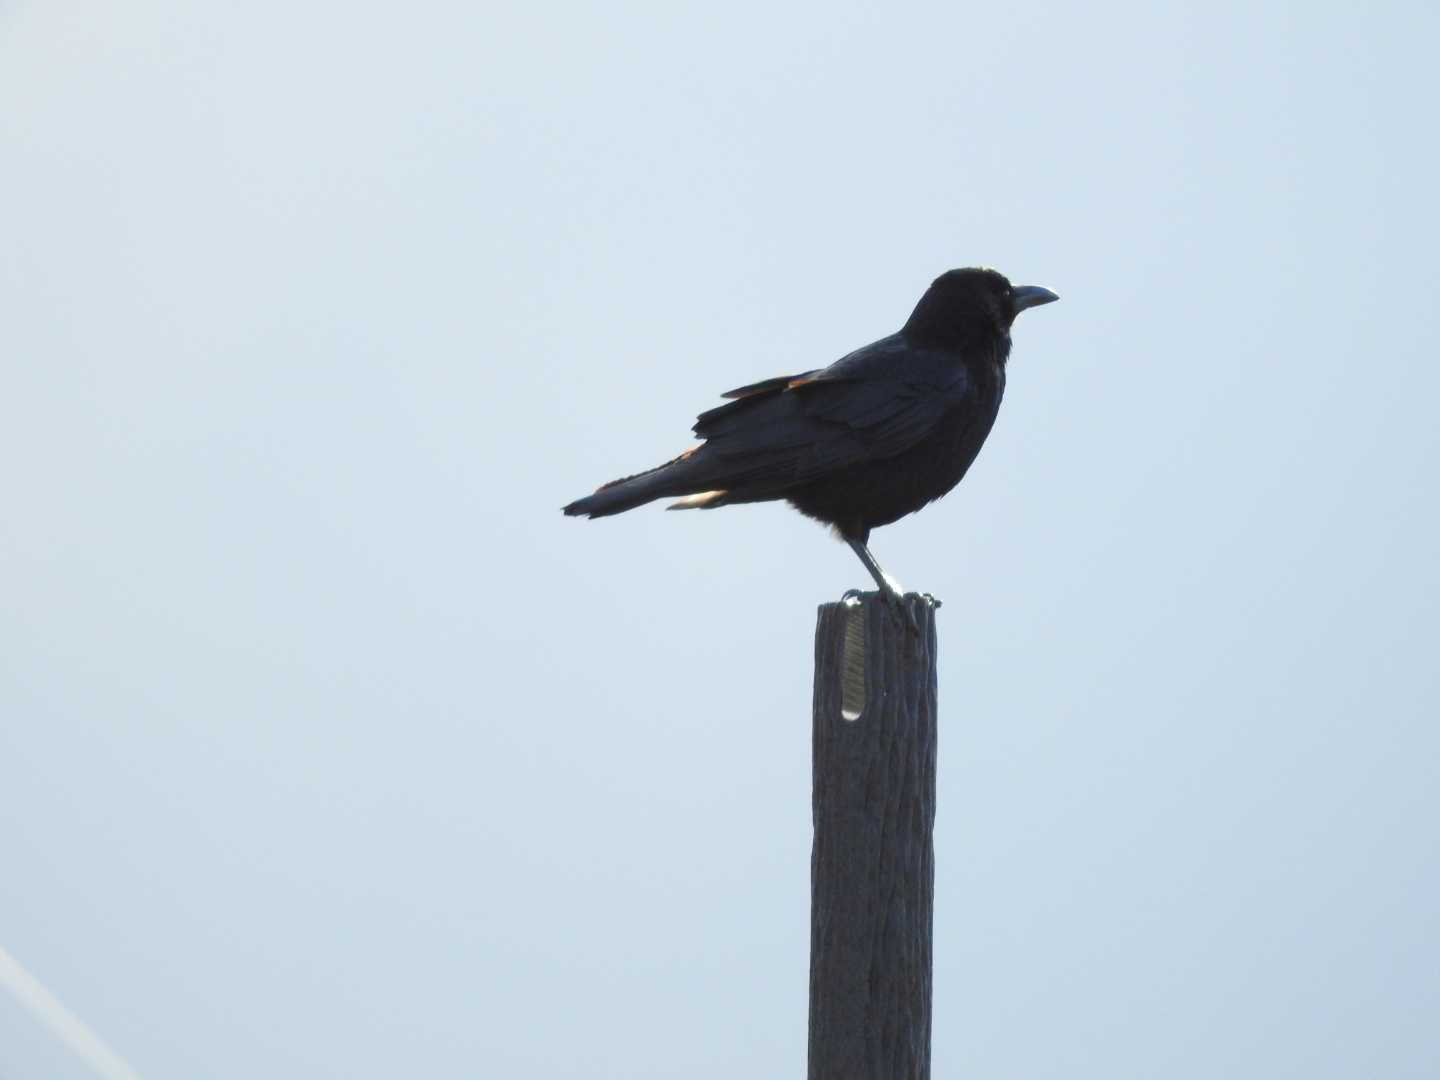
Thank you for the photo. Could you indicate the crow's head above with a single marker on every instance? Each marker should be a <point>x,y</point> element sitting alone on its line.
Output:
<point>973,306</point>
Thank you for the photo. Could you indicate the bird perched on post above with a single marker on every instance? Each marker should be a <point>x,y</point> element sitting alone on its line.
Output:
<point>875,436</point>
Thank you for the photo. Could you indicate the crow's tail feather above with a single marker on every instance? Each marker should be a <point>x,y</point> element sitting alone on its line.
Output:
<point>631,491</point>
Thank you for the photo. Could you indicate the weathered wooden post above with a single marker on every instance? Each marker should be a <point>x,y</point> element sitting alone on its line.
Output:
<point>872,868</point>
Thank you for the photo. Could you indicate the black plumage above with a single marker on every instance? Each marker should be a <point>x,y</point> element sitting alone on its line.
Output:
<point>875,436</point>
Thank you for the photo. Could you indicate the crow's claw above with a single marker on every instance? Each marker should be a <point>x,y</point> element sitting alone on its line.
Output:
<point>899,604</point>
<point>901,610</point>
<point>906,609</point>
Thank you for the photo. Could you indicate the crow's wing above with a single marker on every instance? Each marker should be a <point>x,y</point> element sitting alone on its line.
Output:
<point>767,386</point>
<point>874,404</point>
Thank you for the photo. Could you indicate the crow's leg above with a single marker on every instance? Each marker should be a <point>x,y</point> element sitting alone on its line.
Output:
<point>888,585</point>
<point>891,589</point>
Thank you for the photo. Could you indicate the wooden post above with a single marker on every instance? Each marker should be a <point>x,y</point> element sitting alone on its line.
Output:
<point>872,868</point>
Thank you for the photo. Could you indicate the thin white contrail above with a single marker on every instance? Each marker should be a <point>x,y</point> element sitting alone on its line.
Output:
<point>65,1025</point>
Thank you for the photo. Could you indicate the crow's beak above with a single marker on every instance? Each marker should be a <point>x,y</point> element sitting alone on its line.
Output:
<point>1028,296</point>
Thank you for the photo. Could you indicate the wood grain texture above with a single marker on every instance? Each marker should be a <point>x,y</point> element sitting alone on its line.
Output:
<point>872,866</point>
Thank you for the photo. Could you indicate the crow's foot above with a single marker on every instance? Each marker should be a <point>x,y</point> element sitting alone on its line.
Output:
<point>898,604</point>
<point>896,601</point>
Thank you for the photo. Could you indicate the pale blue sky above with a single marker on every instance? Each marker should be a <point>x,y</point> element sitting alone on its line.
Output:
<point>328,747</point>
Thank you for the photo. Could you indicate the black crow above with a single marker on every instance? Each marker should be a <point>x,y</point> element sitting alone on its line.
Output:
<point>863,442</point>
